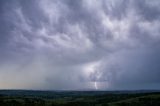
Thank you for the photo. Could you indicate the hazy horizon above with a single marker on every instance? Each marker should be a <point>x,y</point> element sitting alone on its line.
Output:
<point>80,44</point>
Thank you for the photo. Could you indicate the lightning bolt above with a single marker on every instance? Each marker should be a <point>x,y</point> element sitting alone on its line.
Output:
<point>95,85</point>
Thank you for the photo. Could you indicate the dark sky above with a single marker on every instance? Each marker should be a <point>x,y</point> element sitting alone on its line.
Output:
<point>80,44</point>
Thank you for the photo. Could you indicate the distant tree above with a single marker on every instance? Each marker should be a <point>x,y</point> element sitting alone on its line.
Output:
<point>14,103</point>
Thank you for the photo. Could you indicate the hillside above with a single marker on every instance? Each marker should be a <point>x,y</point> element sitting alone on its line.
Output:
<point>79,98</point>
<point>149,100</point>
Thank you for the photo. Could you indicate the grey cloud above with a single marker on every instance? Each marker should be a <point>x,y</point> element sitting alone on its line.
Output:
<point>152,8</point>
<point>72,44</point>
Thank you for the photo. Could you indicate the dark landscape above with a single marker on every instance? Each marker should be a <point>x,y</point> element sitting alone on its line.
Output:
<point>79,98</point>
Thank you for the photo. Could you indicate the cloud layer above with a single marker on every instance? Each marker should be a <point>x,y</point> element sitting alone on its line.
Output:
<point>73,44</point>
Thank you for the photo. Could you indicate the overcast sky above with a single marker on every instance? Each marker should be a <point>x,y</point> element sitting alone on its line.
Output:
<point>80,44</point>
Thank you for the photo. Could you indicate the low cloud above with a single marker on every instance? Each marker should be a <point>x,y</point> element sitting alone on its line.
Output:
<point>71,45</point>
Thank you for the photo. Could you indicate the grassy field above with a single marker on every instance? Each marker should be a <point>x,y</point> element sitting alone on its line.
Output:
<point>78,98</point>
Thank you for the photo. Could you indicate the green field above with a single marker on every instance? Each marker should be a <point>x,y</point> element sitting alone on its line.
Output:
<point>78,98</point>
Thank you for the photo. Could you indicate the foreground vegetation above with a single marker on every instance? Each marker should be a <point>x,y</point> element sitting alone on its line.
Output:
<point>85,98</point>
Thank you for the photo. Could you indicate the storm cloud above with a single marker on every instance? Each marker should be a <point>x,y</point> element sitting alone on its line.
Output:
<point>80,44</point>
